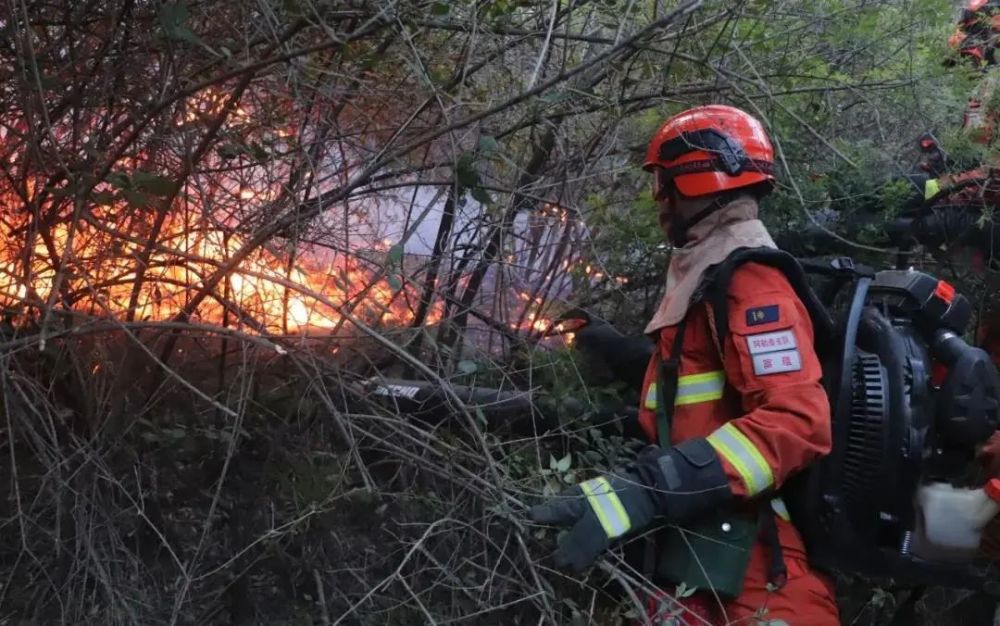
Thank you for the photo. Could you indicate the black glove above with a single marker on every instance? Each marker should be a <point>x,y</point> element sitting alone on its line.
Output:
<point>598,510</point>
<point>676,484</point>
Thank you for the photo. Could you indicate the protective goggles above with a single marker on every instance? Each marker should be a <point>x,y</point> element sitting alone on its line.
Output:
<point>662,184</point>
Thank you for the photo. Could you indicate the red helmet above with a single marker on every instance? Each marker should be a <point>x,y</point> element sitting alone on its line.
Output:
<point>709,149</point>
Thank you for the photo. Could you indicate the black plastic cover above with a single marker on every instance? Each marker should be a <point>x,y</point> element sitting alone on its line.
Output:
<point>967,405</point>
<point>909,293</point>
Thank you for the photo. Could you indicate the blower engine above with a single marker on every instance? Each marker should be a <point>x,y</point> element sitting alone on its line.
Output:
<point>910,402</point>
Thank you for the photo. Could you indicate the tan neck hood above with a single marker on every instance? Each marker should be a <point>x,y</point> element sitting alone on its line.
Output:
<point>714,238</point>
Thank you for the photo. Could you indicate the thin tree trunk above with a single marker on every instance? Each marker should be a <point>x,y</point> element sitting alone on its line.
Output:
<point>519,202</point>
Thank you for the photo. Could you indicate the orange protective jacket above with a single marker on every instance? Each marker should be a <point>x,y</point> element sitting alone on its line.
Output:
<point>760,402</point>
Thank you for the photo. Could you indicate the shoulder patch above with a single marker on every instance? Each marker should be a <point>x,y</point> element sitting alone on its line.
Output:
<point>777,362</point>
<point>774,353</point>
<point>762,315</point>
<point>771,342</point>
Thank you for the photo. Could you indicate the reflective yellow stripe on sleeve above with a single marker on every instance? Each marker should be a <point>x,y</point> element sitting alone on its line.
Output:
<point>691,389</point>
<point>696,388</point>
<point>651,397</point>
<point>607,506</point>
<point>734,446</point>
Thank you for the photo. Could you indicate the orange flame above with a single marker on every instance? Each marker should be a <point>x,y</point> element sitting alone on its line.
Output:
<point>93,264</point>
<point>99,277</point>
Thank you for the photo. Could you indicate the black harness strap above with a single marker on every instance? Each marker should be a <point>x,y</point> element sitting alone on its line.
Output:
<point>666,387</point>
<point>778,259</point>
<point>777,573</point>
<point>666,394</point>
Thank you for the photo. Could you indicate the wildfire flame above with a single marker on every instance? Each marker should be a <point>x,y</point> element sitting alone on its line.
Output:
<point>264,287</point>
<point>92,262</point>
<point>91,257</point>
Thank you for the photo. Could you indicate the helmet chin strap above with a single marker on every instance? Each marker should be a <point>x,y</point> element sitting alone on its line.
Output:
<point>679,227</point>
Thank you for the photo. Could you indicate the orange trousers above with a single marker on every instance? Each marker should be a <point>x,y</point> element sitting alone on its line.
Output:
<point>806,599</point>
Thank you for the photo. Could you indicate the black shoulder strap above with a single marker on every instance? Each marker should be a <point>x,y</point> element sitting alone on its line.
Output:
<point>716,287</point>
<point>666,389</point>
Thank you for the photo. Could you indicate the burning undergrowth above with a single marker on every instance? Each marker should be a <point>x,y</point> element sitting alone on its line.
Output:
<point>194,436</point>
<point>204,262</point>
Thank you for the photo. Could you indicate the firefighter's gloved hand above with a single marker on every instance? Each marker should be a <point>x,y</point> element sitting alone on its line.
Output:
<point>596,511</point>
<point>677,485</point>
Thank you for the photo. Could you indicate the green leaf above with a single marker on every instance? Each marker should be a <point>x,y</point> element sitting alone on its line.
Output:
<point>488,145</point>
<point>173,15</point>
<point>137,199</point>
<point>563,464</point>
<point>468,367</point>
<point>102,197</point>
<point>481,196</point>
<point>230,150</point>
<point>555,97</point>
<point>120,180</point>
<point>60,192</point>
<point>259,152</point>
<point>683,591</point>
<point>480,417</point>
<point>394,282</point>
<point>153,183</point>
<point>465,171</point>
<point>440,8</point>
<point>395,255</point>
<point>172,18</point>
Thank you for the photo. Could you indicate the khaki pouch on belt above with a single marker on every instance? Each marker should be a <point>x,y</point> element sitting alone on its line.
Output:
<point>713,553</point>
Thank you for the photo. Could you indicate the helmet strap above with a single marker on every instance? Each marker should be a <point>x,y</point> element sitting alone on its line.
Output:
<point>679,227</point>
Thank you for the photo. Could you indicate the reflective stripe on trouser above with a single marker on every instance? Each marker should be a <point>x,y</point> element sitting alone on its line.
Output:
<point>692,389</point>
<point>607,506</point>
<point>733,445</point>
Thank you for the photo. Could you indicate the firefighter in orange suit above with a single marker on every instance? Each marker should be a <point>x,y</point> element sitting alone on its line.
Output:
<point>745,415</point>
